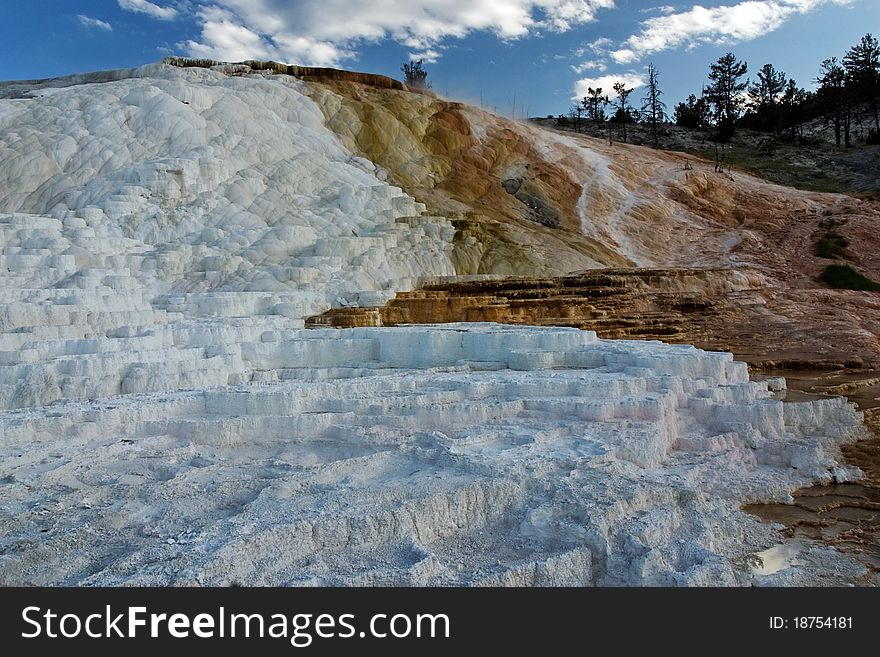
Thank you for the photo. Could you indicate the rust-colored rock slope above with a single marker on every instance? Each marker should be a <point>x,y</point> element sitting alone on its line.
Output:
<point>531,203</point>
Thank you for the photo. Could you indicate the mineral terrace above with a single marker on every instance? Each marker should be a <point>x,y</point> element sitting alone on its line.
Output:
<point>166,418</point>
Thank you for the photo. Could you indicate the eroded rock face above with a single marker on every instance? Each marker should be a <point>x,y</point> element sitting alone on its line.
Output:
<point>456,454</point>
<point>674,305</point>
<point>523,189</point>
<point>734,310</point>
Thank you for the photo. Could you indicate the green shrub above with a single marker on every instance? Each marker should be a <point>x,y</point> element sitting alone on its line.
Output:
<point>844,277</point>
<point>832,246</point>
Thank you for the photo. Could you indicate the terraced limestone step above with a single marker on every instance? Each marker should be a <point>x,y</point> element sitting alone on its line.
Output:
<point>455,454</point>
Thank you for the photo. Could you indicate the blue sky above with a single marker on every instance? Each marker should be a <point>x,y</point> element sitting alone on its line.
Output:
<point>540,51</point>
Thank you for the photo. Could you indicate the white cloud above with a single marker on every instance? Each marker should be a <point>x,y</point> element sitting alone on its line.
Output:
<point>716,25</point>
<point>429,56</point>
<point>149,8</point>
<point>662,9</point>
<point>599,47</point>
<point>325,32</point>
<point>225,38</point>
<point>89,22</point>
<point>589,65</point>
<point>562,15</point>
<point>631,79</point>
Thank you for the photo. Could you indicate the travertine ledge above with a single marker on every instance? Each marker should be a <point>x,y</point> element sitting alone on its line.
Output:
<point>455,454</point>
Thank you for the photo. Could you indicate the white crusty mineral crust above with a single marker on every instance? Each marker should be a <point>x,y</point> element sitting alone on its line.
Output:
<point>203,193</point>
<point>474,454</point>
<point>134,209</point>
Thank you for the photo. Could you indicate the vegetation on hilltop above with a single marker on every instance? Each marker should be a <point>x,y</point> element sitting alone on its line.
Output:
<point>826,140</point>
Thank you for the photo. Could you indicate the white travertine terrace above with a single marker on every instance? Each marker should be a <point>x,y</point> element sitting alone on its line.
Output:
<point>164,419</point>
<point>451,454</point>
<point>220,195</point>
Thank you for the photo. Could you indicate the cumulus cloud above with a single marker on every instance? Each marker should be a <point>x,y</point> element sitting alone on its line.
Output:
<point>598,47</point>
<point>429,56</point>
<point>631,79</point>
<point>716,25</point>
<point>224,38</point>
<point>87,21</point>
<point>325,32</point>
<point>149,8</point>
<point>589,65</point>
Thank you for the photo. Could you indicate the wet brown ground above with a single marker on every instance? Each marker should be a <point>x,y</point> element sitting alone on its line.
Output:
<point>845,516</point>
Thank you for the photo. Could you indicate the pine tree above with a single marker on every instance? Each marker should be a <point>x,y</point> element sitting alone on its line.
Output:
<point>833,90</point>
<point>693,113</point>
<point>653,108</point>
<point>724,93</point>
<point>576,115</point>
<point>764,96</point>
<point>623,114</point>
<point>415,76</point>
<point>771,83</point>
<point>791,106</point>
<point>862,65</point>
<point>594,103</point>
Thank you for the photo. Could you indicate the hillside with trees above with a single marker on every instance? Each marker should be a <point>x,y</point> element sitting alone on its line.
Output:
<point>767,123</point>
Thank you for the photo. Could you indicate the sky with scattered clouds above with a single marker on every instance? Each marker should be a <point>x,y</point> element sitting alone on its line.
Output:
<point>513,56</point>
